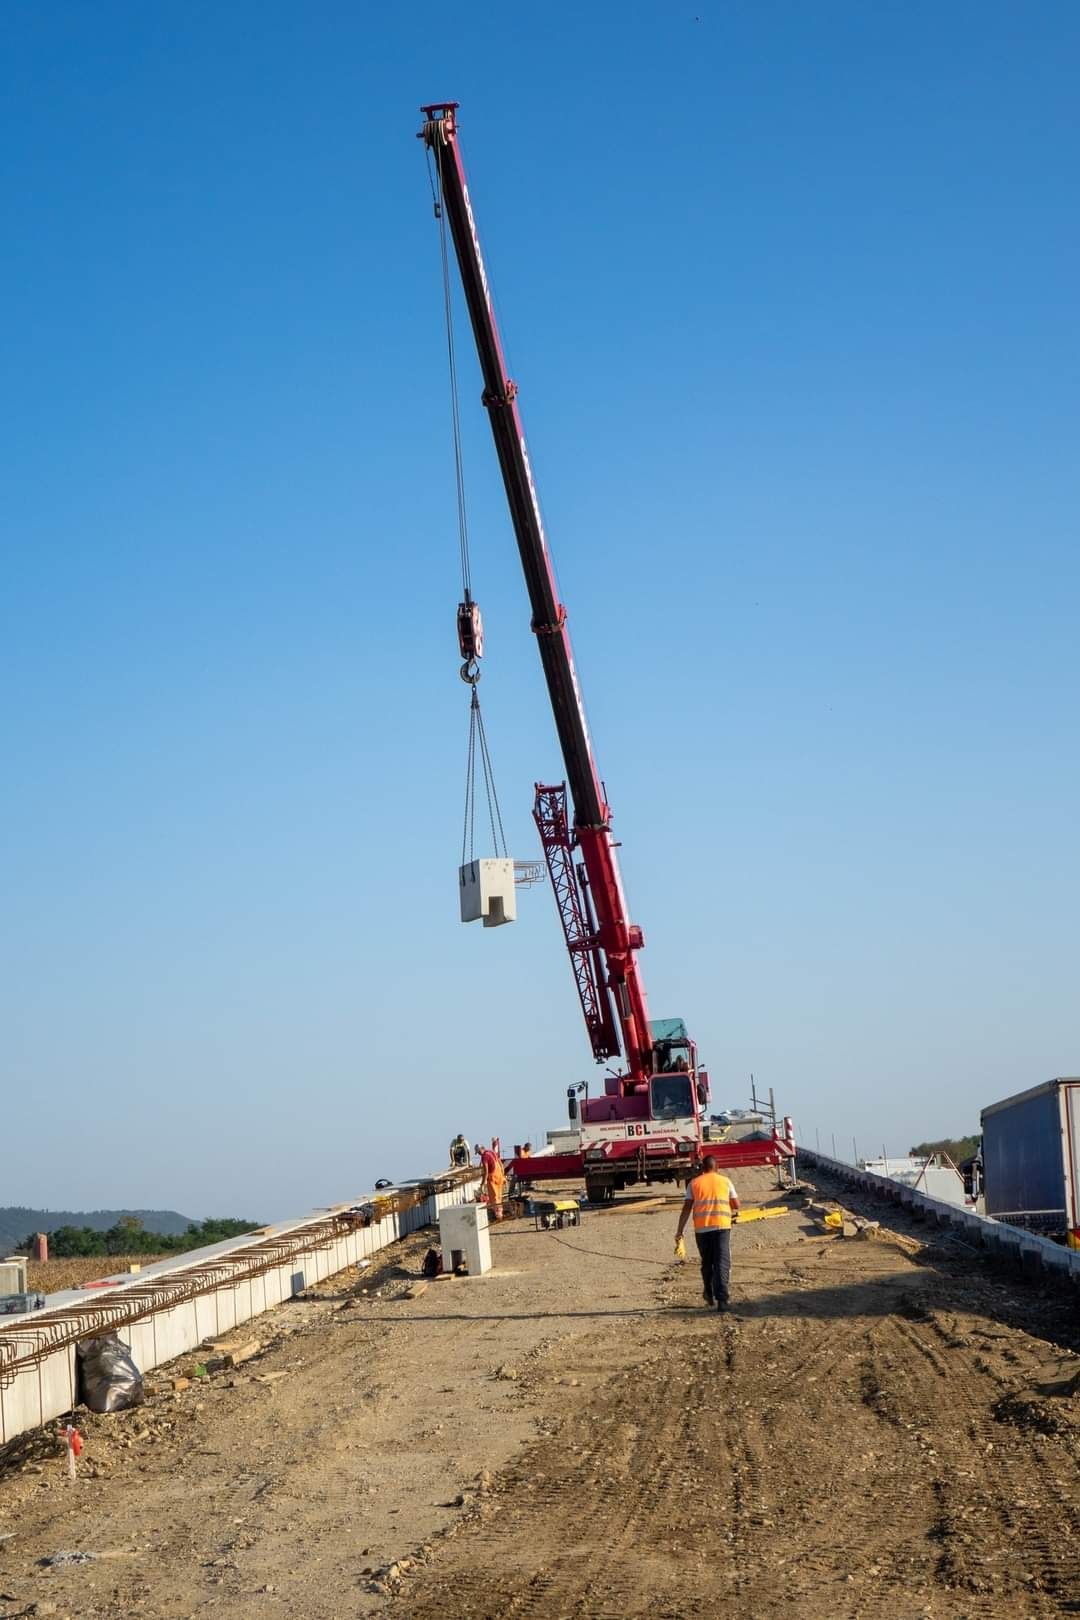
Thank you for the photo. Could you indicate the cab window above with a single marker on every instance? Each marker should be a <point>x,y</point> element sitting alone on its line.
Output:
<point>671,1096</point>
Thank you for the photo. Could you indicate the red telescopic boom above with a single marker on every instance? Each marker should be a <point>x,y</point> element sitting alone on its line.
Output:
<point>602,941</point>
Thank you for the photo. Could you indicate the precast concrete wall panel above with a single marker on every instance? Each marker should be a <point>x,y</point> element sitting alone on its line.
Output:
<point>141,1337</point>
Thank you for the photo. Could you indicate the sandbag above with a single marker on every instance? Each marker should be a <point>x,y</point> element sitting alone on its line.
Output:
<point>109,1380</point>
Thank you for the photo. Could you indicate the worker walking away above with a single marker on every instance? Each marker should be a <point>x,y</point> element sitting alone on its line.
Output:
<point>494,1183</point>
<point>459,1153</point>
<point>712,1200</point>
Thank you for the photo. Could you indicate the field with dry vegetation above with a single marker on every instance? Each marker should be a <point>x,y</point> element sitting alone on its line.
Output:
<point>54,1275</point>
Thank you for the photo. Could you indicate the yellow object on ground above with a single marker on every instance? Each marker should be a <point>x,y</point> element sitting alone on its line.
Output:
<point>768,1214</point>
<point>833,1219</point>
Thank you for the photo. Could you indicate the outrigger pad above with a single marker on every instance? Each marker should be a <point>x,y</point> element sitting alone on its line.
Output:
<point>487,892</point>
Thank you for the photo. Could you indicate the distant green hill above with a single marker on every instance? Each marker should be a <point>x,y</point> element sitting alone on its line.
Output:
<point>17,1223</point>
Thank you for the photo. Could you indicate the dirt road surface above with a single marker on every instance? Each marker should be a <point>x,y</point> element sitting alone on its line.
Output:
<point>879,1430</point>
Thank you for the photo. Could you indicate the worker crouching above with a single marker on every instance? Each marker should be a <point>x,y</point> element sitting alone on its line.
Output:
<point>712,1200</point>
<point>493,1186</point>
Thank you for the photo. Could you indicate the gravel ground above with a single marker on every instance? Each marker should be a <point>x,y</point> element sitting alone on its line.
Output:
<point>876,1431</point>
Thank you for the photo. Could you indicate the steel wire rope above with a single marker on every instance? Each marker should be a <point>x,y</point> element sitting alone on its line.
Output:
<point>538,481</point>
<point>468,832</point>
<point>470,673</point>
<point>498,838</point>
<point>451,355</point>
<point>495,821</point>
<point>638,1259</point>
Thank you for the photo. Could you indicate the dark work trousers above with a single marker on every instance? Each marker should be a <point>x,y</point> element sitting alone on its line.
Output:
<point>714,1248</point>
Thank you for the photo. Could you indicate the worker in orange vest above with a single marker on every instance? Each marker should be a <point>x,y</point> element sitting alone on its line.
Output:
<point>712,1200</point>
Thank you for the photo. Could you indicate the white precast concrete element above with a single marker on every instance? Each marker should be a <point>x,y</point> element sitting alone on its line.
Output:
<point>941,1181</point>
<point>170,1308</point>
<point>13,1274</point>
<point>487,891</point>
<point>1029,1249</point>
<point>566,1140</point>
<point>464,1230</point>
<point>900,1169</point>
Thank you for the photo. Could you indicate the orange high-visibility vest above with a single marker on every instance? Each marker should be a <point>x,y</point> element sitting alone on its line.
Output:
<point>711,1193</point>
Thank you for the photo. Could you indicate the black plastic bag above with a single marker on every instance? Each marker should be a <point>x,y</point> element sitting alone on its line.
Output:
<point>109,1380</point>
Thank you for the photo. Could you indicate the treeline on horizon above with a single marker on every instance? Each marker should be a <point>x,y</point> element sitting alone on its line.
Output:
<point>958,1148</point>
<point>129,1236</point>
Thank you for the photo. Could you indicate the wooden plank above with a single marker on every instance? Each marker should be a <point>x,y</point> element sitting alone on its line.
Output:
<point>633,1206</point>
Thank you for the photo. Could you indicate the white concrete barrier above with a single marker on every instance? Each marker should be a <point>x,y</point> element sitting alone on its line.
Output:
<point>168,1309</point>
<point>1013,1242</point>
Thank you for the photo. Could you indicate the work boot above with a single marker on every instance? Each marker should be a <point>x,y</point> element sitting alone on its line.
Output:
<point>710,1302</point>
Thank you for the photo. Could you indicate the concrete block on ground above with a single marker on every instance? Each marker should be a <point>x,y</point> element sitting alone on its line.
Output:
<point>464,1230</point>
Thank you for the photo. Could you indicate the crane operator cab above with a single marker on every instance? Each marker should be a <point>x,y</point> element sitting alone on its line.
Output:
<point>669,1104</point>
<point>677,1082</point>
<point>651,1131</point>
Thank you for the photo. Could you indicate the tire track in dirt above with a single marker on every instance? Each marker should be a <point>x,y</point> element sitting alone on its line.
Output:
<point>840,1512</point>
<point>571,1517</point>
<point>703,1502</point>
<point>826,1452</point>
<point>1021,1490</point>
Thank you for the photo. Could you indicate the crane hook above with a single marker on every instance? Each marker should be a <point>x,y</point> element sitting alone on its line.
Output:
<point>470,629</point>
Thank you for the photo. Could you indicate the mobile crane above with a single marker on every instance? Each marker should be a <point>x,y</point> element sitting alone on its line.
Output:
<point>650,1123</point>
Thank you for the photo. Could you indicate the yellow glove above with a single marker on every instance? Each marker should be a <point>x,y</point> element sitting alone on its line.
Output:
<point>680,1249</point>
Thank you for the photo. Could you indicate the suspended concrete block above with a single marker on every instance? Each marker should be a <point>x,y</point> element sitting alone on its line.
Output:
<point>487,891</point>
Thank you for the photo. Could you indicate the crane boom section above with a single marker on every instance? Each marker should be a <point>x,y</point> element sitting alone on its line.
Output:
<point>619,939</point>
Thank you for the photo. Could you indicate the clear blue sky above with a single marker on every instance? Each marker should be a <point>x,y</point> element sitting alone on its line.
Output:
<point>790,294</point>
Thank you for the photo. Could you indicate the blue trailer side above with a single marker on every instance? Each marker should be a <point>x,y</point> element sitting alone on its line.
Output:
<point>1029,1166</point>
